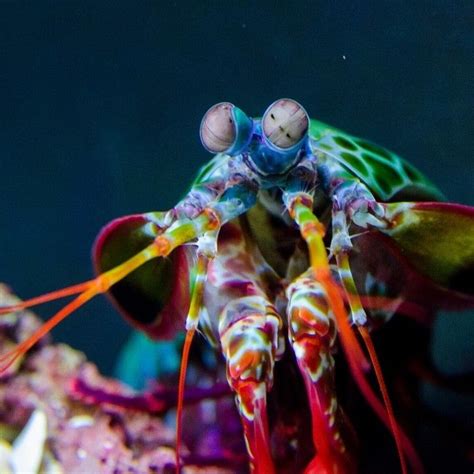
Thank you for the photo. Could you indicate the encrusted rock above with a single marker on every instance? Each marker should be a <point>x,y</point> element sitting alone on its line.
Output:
<point>80,436</point>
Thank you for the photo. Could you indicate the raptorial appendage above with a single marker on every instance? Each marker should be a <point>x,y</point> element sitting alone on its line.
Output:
<point>239,317</point>
<point>249,338</point>
<point>312,334</point>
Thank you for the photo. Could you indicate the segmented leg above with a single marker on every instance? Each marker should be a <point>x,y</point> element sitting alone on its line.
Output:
<point>340,247</point>
<point>312,333</point>
<point>352,203</point>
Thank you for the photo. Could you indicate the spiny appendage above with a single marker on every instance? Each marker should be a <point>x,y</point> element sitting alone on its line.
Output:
<point>358,203</point>
<point>250,333</point>
<point>340,247</point>
<point>177,234</point>
<point>362,209</point>
<point>312,333</point>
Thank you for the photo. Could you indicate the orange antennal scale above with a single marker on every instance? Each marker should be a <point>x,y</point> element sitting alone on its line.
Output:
<point>351,347</point>
<point>348,338</point>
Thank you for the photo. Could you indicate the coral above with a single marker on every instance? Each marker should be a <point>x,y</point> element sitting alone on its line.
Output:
<point>80,436</point>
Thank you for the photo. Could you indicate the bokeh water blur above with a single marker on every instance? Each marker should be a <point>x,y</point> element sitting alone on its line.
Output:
<point>100,104</point>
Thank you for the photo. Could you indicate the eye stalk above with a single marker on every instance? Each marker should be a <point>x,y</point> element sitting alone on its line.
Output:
<point>225,129</point>
<point>285,123</point>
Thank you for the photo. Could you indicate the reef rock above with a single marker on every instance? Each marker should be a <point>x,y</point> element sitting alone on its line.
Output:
<point>41,414</point>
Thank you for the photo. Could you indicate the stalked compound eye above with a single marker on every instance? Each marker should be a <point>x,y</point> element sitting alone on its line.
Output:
<point>285,123</point>
<point>225,129</point>
<point>218,128</point>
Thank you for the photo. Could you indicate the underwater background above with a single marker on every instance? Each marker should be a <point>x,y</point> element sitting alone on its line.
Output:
<point>100,106</point>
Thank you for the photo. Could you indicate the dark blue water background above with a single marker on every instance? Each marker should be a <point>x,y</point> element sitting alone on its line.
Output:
<point>100,104</point>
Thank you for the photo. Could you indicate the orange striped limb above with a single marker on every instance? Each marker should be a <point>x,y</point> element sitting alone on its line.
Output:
<point>177,234</point>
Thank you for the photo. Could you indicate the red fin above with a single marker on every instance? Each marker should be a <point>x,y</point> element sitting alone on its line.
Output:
<point>438,240</point>
<point>155,297</point>
<point>391,268</point>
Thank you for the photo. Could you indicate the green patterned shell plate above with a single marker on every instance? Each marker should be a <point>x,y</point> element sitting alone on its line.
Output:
<point>387,175</point>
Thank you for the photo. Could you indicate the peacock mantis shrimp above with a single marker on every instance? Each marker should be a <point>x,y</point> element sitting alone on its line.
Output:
<point>295,240</point>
